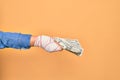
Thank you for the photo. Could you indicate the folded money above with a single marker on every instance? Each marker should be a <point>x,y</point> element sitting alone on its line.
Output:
<point>71,45</point>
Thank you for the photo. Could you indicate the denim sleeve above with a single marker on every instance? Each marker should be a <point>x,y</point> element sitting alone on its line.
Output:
<point>14,40</point>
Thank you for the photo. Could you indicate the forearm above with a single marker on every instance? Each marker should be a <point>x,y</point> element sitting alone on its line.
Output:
<point>14,40</point>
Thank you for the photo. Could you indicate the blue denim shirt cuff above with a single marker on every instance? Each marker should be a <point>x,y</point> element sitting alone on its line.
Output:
<point>14,40</point>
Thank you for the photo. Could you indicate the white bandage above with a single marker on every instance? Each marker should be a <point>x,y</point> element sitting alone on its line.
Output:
<point>47,43</point>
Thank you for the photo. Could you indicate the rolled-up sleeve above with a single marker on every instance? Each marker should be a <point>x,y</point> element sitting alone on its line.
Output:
<point>14,40</point>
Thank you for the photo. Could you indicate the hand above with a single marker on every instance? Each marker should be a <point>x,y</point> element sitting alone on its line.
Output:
<point>45,42</point>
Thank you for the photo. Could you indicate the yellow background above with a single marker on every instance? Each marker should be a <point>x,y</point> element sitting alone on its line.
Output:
<point>95,23</point>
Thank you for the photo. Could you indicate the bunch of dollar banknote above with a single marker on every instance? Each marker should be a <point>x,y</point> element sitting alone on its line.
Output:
<point>71,45</point>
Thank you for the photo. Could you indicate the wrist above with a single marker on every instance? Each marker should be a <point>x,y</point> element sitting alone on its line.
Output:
<point>32,40</point>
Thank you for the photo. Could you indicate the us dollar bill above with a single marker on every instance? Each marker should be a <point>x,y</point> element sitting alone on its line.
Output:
<point>71,45</point>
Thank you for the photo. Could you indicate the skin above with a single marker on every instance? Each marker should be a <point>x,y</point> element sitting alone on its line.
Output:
<point>32,41</point>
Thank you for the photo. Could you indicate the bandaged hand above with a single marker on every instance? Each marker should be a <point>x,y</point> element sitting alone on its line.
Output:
<point>47,43</point>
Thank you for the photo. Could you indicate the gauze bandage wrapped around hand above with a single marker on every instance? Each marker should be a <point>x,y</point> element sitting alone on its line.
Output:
<point>47,43</point>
